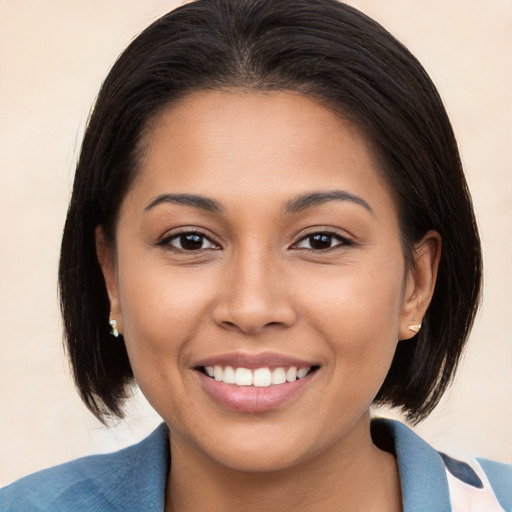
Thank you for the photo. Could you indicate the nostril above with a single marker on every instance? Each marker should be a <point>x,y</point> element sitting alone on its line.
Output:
<point>250,327</point>
<point>252,317</point>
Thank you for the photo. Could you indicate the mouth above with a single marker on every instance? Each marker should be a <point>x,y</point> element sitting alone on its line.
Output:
<point>255,383</point>
<point>261,377</point>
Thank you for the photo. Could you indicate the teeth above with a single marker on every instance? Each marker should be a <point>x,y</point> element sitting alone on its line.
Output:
<point>302,373</point>
<point>243,377</point>
<point>291,374</point>
<point>218,373</point>
<point>278,376</point>
<point>229,375</point>
<point>261,377</point>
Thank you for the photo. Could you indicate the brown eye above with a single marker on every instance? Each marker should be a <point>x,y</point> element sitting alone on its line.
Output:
<point>322,241</point>
<point>189,242</point>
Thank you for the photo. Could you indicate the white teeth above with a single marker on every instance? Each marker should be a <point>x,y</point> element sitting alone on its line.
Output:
<point>260,377</point>
<point>229,375</point>
<point>243,377</point>
<point>218,373</point>
<point>302,373</point>
<point>278,376</point>
<point>291,374</point>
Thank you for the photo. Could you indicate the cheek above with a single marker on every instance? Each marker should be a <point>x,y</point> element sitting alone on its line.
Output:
<point>361,298</point>
<point>163,308</point>
<point>163,312</point>
<point>356,309</point>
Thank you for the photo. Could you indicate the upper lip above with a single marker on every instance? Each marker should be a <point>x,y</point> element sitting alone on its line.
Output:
<point>253,361</point>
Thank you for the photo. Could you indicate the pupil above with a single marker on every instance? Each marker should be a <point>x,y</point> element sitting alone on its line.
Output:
<point>320,241</point>
<point>191,242</point>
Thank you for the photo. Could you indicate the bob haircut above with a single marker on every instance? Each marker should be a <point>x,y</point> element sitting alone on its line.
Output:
<point>322,49</point>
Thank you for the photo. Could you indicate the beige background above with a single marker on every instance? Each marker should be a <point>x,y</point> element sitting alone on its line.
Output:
<point>53,57</point>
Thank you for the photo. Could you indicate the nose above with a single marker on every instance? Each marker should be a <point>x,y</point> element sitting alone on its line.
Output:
<point>255,296</point>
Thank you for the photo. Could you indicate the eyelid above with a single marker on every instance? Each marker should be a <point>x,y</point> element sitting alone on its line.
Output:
<point>346,240</point>
<point>164,241</point>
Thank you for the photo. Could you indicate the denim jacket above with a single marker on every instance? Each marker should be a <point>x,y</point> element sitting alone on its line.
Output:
<point>134,479</point>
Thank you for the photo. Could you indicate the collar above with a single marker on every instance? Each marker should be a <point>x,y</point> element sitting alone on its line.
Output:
<point>143,476</point>
<point>421,468</point>
<point>138,477</point>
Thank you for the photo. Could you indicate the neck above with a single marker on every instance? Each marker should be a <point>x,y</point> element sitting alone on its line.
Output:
<point>353,475</point>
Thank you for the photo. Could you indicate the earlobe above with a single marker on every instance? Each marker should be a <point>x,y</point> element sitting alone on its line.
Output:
<point>420,284</point>
<point>106,258</point>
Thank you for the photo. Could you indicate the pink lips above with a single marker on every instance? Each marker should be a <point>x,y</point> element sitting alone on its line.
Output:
<point>252,399</point>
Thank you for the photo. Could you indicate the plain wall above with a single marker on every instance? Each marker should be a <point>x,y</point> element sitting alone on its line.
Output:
<point>53,57</point>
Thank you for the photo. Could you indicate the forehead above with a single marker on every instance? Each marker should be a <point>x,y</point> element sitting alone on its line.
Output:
<point>237,143</point>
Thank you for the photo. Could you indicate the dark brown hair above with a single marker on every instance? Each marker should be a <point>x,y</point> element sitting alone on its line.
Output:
<point>320,48</point>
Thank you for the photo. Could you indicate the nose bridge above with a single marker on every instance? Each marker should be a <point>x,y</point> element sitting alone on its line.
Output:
<point>254,296</point>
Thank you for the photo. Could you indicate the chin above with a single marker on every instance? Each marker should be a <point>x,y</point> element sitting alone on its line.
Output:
<point>258,447</point>
<point>266,460</point>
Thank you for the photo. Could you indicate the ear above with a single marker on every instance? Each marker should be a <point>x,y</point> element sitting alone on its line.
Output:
<point>420,282</point>
<point>107,260</point>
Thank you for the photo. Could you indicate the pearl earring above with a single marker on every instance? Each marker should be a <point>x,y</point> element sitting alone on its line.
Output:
<point>113,324</point>
<point>414,327</point>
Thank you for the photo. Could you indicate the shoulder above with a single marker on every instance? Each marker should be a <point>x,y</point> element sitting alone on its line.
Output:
<point>434,481</point>
<point>500,479</point>
<point>103,483</point>
<point>61,487</point>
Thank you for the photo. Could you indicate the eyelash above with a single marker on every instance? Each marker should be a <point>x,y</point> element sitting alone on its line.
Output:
<point>166,242</point>
<point>343,240</point>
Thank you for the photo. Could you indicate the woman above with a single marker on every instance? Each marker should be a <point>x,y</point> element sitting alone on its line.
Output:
<point>270,231</point>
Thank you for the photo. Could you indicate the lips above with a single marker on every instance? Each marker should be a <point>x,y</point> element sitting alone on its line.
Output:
<point>254,383</point>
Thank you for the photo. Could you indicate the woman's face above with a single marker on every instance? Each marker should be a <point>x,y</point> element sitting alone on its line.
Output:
<point>259,243</point>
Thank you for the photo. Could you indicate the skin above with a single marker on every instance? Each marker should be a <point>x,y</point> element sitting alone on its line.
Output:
<point>256,285</point>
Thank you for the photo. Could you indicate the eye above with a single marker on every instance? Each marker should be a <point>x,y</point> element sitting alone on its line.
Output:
<point>189,242</point>
<point>322,241</point>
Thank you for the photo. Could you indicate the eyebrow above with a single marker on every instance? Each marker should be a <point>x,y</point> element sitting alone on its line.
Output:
<point>296,205</point>
<point>193,200</point>
<point>310,200</point>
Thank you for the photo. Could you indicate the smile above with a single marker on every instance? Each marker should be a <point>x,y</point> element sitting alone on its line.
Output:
<point>252,383</point>
<point>259,377</point>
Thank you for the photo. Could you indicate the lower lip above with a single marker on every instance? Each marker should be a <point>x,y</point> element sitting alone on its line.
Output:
<point>250,398</point>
